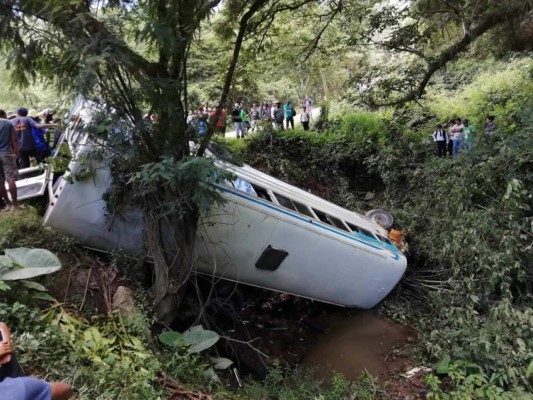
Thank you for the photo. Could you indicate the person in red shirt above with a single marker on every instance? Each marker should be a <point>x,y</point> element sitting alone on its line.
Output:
<point>221,121</point>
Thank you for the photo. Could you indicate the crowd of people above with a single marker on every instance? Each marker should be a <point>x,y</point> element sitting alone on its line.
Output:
<point>30,134</point>
<point>23,135</point>
<point>14,385</point>
<point>248,119</point>
<point>458,136</point>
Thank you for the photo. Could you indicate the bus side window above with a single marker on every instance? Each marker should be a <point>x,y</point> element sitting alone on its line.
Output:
<point>229,183</point>
<point>337,222</point>
<point>303,209</point>
<point>262,193</point>
<point>322,216</point>
<point>366,233</point>
<point>330,220</point>
<point>245,186</point>
<point>285,201</point>
<point>385,239</point>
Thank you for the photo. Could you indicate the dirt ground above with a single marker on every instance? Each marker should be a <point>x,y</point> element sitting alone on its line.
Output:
<point>262,326</point>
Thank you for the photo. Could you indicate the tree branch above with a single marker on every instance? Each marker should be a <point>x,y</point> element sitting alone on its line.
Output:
<point>492,20</point>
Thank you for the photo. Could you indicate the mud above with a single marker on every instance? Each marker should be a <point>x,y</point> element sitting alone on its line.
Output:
<point>362,341</point>
<point>293,330</point>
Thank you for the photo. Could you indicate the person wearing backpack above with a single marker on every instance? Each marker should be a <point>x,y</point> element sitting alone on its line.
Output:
<point>277,116</point>
<point>440,137</point>
<point>289,112</point>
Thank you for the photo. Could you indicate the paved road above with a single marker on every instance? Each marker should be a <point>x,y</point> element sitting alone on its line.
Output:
<point>315,113</point>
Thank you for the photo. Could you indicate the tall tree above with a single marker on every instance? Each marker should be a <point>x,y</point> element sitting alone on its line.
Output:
<point>133,55</point>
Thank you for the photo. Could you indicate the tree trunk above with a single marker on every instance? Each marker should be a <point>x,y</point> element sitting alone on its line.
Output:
<point>324,84</point>
<point>171,242</point>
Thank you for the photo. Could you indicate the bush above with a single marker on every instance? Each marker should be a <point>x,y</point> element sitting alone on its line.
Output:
<point>104,360</point>
<point>299,384</point>
<point>24,229</point>
<point>469,282</point>
<point>501,90</point>
<point>468,381</point>
<point>470,235</point>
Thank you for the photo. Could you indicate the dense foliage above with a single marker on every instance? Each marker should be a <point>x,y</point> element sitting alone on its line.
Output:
<point>469,284</point>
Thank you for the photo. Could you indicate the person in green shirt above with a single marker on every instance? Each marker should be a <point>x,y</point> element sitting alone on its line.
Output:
<point>468,131</point>
<point>245,121</point>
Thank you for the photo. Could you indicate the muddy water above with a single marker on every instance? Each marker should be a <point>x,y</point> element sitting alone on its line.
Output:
<point>359,342</point>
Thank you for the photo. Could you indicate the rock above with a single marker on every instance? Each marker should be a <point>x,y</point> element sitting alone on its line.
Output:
<point>123,302</point>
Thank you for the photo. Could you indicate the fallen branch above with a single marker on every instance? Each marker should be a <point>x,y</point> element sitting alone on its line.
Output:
<point>248,343</point>
<point>86,288</point>
<point>175,391</point>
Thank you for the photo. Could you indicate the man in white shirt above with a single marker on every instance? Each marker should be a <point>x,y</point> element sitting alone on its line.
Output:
<point>277,116</point>
<point>304,119</point>
<point>440,137</point>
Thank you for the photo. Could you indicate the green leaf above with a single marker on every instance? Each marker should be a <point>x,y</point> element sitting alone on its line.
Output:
<point>33,285</point>
<point>33,262</point>
<point>220,362</point>
<point>443,366</point>
<point>171,338</point>
<point>5,263</point>
<point>92,335</point>
<point>199,338</point>
<point>211,376</point>
<point>529,372</point>
<point>43,296</point>
<point>4,286</point>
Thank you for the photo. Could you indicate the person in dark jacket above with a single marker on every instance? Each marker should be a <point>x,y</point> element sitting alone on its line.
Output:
<point>41,137</point>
